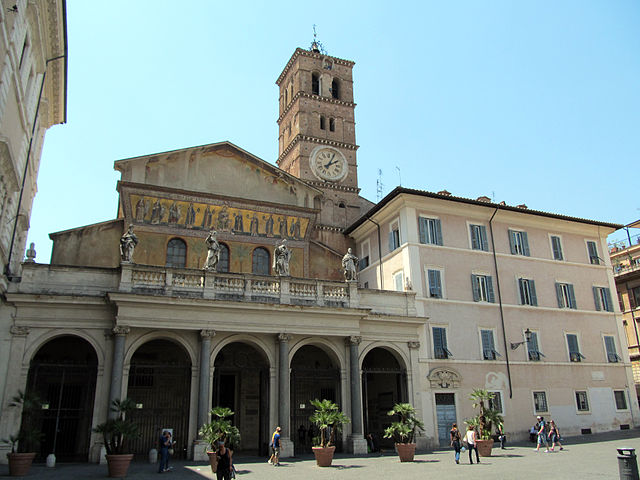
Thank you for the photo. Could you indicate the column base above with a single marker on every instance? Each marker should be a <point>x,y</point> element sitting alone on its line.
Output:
<point>199,450</point>
<point>357,445</point>
<point>286,448</point>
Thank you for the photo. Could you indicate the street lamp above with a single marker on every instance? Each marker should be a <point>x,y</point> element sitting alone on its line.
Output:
<point>527,338</point>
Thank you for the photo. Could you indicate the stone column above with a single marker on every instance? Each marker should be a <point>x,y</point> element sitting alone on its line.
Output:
<point>284,397</point>
<point>115,392</point>
<point>357,443</point>
<point>414,396</point>
<point>204,402</point>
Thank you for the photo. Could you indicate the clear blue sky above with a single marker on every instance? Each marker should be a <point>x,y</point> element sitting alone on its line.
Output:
<point>532,102</point>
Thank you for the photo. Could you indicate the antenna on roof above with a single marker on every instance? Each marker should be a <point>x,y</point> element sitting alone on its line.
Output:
<point>317,46</point>
<point>379,186</point>
<point>399,176</point>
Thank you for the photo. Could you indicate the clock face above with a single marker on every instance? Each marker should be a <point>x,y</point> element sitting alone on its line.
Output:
<point>328,164</point>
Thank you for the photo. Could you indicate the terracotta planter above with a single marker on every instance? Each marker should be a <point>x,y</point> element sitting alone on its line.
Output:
<point>484,447</point>
<point>324,456</point>
<point>213,461</point>
<point>118,465</point>
<point>20,463</point>
<point>406,451</point>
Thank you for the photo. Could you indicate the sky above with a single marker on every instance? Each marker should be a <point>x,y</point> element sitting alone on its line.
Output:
<point>533,102</point>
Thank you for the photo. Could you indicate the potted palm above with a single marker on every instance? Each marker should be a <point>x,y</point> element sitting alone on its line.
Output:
<point>115,432</point>
<point>28,438</point>
<point>483,422</point>
<point>404,430</point>
<point>219,429</point>
<point>329,420</point>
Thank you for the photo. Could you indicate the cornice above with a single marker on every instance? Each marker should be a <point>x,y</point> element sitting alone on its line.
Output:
<point>334,186</point>
<point>313,96</point>
<point>306,53</point>
<point>328,228</point>
<point>320,141</point>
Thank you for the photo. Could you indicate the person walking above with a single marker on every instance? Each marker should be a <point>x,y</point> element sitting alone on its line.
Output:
<point>456,440</point>
<point>164,444</point>
<point>501,436</point>
<point>542,435</point>
<point>554,435</point>
<point>470,438</point>
<point>275,447</point>
<point>225,462</point>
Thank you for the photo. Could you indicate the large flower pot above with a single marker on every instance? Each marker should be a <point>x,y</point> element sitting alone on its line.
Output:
<point>324,456</point>
<point>213,461</point>
<point>406,451</point>
<point>118,465</point>
<point>20,463</point>
<point>484,447</point>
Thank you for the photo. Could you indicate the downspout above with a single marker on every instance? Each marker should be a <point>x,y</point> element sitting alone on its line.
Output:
<point>7,268</point>
<point>504,334</point>
<point>379,252</point>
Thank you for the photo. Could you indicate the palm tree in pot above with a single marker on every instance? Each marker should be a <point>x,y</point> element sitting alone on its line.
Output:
<point>115,433</point>
<point>219,429</point>
<point>404,430</point>
<point>25,443</point>
<point>483,422</point>
<point>329,420</point>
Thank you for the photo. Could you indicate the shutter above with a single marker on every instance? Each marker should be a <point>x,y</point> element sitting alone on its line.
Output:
<point>483,237</point>
<point>607,295</point>
<point>490,297</point>
<point>559,295</point>
<point>593,253</point>
<point>437,283</point>
<point>532,292</point>
<point>512,242</point>
<point>422,222</point>
<point>475,288</point>
<point>533,342</point>
<point>572,297</point>
<point>596,298</point>
<point>557,248</point>
<point>572,341</point>
<point>437,338</point>
<point>525,244</point>
<point>475,236</point>
<point>391,247</point>
<point>610,345</point>
<point>438,228</point>
<point>432,282</point>
<point>521,288</point>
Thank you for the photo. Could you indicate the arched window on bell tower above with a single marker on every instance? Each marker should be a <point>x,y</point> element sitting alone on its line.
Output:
<point>322,123</point>
<point>286,99</point>
<point>332,124</point>
<point>335,88</point>
<point>315,83</point>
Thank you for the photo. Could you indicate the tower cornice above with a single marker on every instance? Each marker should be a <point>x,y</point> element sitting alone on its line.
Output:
<point>319,141</point>
<point>306,53</point>
<point>332,100</point>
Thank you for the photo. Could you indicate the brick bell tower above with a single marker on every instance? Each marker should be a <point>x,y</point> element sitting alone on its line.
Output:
<point>317,139</point>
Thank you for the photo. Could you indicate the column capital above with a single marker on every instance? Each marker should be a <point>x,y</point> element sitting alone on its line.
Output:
<point>413,344</point>
<point>353,340</point>
<point>284,337</point>
<point>19,330</point>
<point>121,330</point>
<point>205,334</point>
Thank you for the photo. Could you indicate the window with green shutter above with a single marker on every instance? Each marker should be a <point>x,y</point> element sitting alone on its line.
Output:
<point>527,289</point>
<point>574,349</point>
<point>479,237</point>
<point>602,299</point>
<point>519,243</point>
<point>566,296</point>
<point>435,283</point>
<point>610,347</point>
<point>489,351</point>
<point>482,288</point>
<point>592,248</point>
<point>533,349</point>
<point>430,231</point>
<point>440,349</point>
<point>556,247</point>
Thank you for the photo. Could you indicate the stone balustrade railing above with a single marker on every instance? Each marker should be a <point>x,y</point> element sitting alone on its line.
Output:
<point>237,287</point>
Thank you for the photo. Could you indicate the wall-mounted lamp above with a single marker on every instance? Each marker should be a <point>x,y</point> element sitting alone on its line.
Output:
<point>139,406</point>
<point>527,338</point>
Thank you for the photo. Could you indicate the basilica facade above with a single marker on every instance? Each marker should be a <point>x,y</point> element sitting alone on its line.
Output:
<point>178,338</point>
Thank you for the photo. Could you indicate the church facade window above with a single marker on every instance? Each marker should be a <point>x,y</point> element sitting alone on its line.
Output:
<point>176,253</point>
<point>260,261</point>
<point>223,262</point>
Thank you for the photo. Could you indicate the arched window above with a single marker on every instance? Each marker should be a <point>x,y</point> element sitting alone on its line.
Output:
<point>322,121</point>
<point>223,262</point>
<point>291,95</point>
<point>315,84</point>
<point>332,124</point>
<point>260,261</point>
<point>335,88</point>
<point>286,99</point>
<point>176,253</point>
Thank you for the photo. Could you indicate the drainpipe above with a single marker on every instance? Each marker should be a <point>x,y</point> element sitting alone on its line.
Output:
<point>7,267</point>
<point>504,334</point>
<point>379,252</point>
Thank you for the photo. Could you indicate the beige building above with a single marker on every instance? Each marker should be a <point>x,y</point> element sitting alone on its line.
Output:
<point>625,257</point>
<point>483,275</point>
<point>93,326</point>
<point>33,89</point>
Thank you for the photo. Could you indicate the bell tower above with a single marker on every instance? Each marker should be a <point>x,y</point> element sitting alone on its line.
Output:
<point>317,140</point>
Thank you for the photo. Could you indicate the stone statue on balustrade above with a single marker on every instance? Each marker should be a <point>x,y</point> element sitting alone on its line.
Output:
<point>281,258</point>
<point>349,262</point>
<point>213,252</point>
<point>128,243</point>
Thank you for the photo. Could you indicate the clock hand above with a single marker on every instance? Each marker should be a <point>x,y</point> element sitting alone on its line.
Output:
<point>330,163</point>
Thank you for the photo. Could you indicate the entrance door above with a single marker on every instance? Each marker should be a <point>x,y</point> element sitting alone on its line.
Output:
<point>446,414</point>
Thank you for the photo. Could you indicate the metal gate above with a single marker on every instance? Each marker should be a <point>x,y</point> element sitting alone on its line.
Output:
<point>307,385</point>
<point>446,415</point>
<point>161,394</point>
<point>67,392</point>
<point>377,402</point>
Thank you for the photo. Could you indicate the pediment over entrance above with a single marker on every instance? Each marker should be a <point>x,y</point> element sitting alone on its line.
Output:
<point>444,378</point>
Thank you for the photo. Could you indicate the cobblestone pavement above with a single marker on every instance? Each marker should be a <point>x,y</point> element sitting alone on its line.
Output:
<point>586,457</point>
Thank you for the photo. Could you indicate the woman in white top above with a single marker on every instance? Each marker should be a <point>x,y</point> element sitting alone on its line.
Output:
<point>470,438</point>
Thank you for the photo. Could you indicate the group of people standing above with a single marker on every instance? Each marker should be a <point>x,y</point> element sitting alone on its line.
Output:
<point>469,442</point>
<point>547,433</point>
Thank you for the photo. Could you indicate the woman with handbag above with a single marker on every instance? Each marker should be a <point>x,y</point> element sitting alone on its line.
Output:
<point>470,438</point>
<point>456,441</point>
<point>554,435</point>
